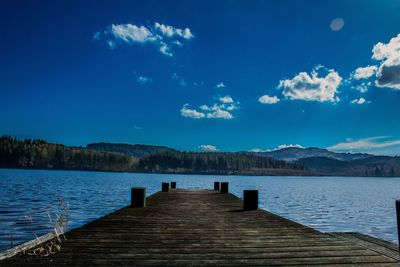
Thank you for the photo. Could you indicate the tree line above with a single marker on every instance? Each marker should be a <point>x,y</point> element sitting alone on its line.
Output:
<point>39,154</point>
<point>212,162</point>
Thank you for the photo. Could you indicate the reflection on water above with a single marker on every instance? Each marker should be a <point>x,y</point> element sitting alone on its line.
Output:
<point>27,197</point>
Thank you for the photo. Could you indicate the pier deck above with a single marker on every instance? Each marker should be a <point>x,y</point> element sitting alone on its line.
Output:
<point>202,228</point>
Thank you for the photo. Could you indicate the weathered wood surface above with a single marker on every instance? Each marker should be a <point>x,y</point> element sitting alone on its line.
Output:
<point>26,246</point>
<point>201,228</point>
<point>372,243</point>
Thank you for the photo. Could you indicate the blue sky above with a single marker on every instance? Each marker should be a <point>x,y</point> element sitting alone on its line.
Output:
<point>203,75</point>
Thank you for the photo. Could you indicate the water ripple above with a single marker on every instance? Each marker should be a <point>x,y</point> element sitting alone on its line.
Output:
<point>363,205</point>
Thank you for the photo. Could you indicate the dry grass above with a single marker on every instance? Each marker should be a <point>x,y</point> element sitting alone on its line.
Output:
<point>58,220</point>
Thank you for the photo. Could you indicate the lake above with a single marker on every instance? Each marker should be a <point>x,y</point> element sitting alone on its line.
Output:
<point>29,199</point>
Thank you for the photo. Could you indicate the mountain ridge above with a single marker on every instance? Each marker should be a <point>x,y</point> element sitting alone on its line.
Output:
<point>319,161</point>
<point>296,153</point>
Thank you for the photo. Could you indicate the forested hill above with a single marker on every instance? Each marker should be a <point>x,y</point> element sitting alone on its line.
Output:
<point>298,153</point>
<point>39,154</point>
<point>139,151</point>
<point>218,163</point>
<point>377,166</point>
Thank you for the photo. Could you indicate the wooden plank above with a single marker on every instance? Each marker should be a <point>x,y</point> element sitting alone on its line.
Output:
<point>202,228</point>
<point>381,246</point>
<point>26,246</point>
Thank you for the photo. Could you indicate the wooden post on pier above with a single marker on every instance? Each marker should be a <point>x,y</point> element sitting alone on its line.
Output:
<point>165,187</point>
<point>216,186</point>
<point>173,185</point>
<point>138,197</point>
<point>398,220</point>
<point>250,199</point>
<point>224,187</point>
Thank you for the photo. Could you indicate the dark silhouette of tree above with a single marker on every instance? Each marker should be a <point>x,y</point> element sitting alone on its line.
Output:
<point>39,154</point>
<point>212,162</point>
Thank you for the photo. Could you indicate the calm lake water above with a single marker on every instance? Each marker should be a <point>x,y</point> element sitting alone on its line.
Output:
<point>29,197</point>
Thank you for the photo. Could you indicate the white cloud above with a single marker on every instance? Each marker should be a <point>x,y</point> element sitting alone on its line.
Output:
<point>216,107</point>
<point>312,88</point>
<point>365,72</point>
<point>220,85</point>
<point>220,114</point>
<point>205,107</point>
<point>288,145</point>
<point>208,148</point>
<point>362,87</point>
<point>337,24</point>
<point>165,50</point>
<point>131,33</point>
<point>277,148</point>
<point>143,80</point>
<point>232,107</point>
<point>258,150</point>
<point>360,101</point>
<point>266,99</point>
<point>387,51</point>
<point>171,31</point>
<point>160,35</point>
<point>219,110</point>
<point>191,113</point>
<point>388,74</point>
<point>226,99</point>
<point>379,144</point>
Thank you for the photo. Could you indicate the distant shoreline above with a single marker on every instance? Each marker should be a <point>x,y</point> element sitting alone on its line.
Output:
<point>192,173</point>
<point>138,158</point>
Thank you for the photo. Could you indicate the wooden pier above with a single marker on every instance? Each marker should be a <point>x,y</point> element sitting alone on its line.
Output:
<point>207,228</point>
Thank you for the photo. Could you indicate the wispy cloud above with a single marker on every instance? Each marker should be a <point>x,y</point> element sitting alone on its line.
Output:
<point>161,35</point>
<point>220,85</point>
<point>208,148</point>
<point>165,49</point>
<point>178,78</point>
<point>266,99</point>
<point>177,43</point>
<point>312,87</point>
<point>362,87</point>
<point>378,144</point>
<point>143,80</point>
